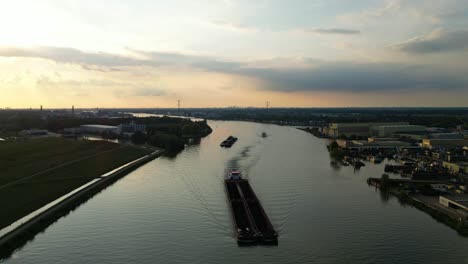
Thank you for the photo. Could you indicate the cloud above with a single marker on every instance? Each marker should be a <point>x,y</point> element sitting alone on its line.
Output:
<point>358,77</point>
<point>46,81</point>
<point>148,91</point>
<point>86,87</point>
<point>333,31</point>
<point>73,56</point>
<point>374,13</point>
<point>436,42</point>
<point>231,26</point>
<point>101,61</point>
<point>312,75</point>
<point>199,62</point>
<point>99,68</point>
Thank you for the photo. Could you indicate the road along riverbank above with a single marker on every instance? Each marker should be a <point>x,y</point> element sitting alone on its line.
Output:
<point>23,230</point>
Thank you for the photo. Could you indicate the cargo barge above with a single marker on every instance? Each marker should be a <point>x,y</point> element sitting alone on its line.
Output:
<point>228,142</point>
<point>250,220</point>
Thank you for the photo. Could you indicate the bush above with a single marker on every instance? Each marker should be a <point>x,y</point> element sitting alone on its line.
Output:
<point>170,143</point>
<point>138,138</point>
<point>384,182</point>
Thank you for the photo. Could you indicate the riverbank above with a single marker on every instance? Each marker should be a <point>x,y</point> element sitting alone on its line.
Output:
<point>414,191</point>
<point>26,231</point>
<point>427,204</point>
<point>174,210</point>
<point>35,172</point>
<point>312,130</point>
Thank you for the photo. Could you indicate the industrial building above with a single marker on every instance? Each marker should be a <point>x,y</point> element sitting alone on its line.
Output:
<point>357,129</point>
<point>454,135</point>
<point>455,201</point>
<point>34,132</point>
<point>431,143</point>
<point>389,130</point>
<point>99,129</point>
<point>415,135</point>
<point>131,128</point>
<point>362,144</point>
<point>125,129</point>
<point>458,167</point>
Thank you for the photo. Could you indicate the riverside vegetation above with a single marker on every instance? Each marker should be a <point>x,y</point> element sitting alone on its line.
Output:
<point>38,171</point>
<point>164,132</point>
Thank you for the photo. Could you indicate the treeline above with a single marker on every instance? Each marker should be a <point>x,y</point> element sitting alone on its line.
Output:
<point>431,117</point>
<point>164,132</point>
<point>171,143</point>
<point>19,120</point>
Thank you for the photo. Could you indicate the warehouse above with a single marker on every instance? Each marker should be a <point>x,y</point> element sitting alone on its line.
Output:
<point>455,201</point>
<point>389,130</point>
<point>99,129</point>
<point>444,143</point>
<point>356,129</point>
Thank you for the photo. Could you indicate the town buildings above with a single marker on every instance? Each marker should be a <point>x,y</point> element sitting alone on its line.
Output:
<point>390,130</point>
<point>432,143</point>
<point>336,130</point>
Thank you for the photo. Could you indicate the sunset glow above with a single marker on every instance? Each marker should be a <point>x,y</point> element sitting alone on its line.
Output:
<point>233,53</point>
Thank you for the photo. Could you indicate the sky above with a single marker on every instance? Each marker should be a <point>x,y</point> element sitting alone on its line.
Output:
<point>219,53</point>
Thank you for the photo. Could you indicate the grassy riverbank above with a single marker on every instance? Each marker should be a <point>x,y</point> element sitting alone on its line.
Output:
<point>36,172</point>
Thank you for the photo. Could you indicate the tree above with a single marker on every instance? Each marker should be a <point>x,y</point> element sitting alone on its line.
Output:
<point>138,138</point>
<point>171,143</point>
<point>384,182</point>
<point>334,145</point>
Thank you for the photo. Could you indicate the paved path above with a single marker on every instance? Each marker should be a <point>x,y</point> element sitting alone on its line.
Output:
<point>433,201</point>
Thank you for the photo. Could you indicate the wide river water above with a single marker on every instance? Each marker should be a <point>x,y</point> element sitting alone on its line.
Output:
<point>174,210</point>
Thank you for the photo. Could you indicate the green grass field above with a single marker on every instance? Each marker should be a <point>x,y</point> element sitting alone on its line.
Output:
<point>37,171</point>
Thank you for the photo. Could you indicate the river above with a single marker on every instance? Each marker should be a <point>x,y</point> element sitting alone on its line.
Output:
<point>174,210</point>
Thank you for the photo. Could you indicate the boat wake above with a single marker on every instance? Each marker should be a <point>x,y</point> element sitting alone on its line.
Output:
<point>246,159</point>
<point>211,209</point>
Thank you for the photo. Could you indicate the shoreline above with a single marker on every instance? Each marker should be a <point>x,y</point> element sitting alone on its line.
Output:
<point>459,225</point>
<point>455,222</point>
<point>25,231</point>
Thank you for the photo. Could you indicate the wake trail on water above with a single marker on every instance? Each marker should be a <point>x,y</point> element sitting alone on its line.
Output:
<point>286,193</point>
<point>203,196</point>
<point>245,160</point>
<point>287,211</point>
<point>192,184</point>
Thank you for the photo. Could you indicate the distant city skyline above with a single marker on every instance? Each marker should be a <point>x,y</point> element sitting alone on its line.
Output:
<point>299,53</point>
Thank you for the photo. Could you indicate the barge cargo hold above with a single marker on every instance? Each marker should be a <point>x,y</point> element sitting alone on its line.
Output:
<point>251,222</point>
<point>266,232</point>
<point>246,233</point>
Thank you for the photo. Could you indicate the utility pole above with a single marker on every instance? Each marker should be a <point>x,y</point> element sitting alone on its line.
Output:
<point>178,105</point>
<point>267,104</point>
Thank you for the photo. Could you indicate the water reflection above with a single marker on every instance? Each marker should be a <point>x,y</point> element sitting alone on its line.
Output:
<point>174,210</point>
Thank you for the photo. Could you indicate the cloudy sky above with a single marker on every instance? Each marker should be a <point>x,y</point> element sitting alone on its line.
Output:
<point>212,53</point>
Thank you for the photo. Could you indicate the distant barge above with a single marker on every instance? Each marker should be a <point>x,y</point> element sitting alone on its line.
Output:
<point>251,222</point>
<point>228,142</point>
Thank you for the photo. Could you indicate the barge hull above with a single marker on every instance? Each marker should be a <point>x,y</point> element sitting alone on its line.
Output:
<point>245,231</point>
<point>251,222</point>
<point>268,234</point>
